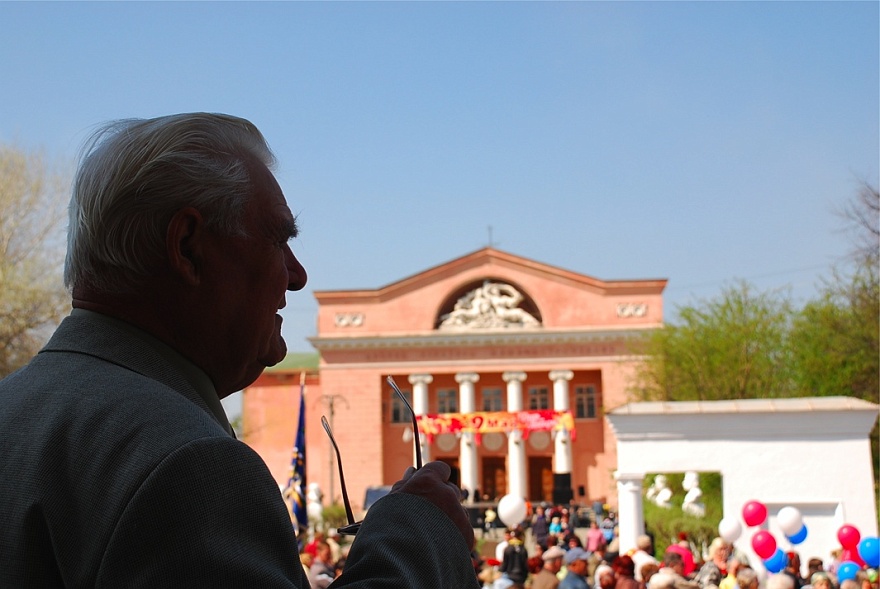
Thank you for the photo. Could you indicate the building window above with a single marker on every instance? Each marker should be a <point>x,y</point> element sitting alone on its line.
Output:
<point>539,398</point>
<point>585,402</point>
<point>447,401</point>
<point>399,412</point>
<point>492,400</point>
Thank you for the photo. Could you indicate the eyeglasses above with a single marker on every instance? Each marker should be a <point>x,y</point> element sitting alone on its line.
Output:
<point>352,528</point>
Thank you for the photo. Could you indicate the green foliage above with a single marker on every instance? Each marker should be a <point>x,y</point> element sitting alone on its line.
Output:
<point>334,516</point>
<point>732,347</point>
<point>666,523</point>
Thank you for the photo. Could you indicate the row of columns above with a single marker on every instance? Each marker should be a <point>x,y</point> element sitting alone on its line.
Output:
<point>516,451</point>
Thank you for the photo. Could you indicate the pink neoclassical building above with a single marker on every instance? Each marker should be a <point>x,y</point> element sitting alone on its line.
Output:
<point>508,363</point>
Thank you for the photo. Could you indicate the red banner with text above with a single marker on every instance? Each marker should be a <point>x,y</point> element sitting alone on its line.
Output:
<point>484,422</point>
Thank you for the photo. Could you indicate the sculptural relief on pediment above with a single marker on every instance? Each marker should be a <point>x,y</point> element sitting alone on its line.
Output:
<point>492,305</point>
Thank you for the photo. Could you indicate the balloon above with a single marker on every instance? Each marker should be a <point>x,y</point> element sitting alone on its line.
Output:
<point>799,537</point>
<point>754,513</point>
<point>847,570</point>
<point>790,520</point>
<point>777,562</point>
<point>729,529</point>
<point>852,555</point>
<point>764,544</point>
<point>512,510</point>
<point>849,536</point>
<point>869,550</point>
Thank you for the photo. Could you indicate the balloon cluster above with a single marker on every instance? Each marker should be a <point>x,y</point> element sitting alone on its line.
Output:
<point>857,551</point>
<point>790,521</point>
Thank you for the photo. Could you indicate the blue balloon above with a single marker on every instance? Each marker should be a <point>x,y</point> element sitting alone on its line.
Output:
<point>799,537</point>
<point>777,562</point>
<point>869,550</point>
<point>847,570</point>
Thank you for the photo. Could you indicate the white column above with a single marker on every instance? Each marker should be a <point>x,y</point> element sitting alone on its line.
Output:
<point>420,384</point>
<point>630,514</point>
<point>516,450</point>
<point>467,445</point>
<point>562,447</point>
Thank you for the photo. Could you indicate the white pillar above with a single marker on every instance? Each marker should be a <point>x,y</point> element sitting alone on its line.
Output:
<point>516,450</point>
<point>420,384</point>
<point>630,514</point>
<point>467,445</point>
<point>562,448</point>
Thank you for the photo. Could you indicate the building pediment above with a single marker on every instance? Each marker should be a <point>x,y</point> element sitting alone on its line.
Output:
<point>490,290</point>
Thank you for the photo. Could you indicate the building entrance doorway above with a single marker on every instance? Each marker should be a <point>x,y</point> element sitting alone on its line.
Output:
<point>494,477</point>
<point>541,478</point>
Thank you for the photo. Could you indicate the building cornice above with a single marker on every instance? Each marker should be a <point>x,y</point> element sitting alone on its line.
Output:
<point>478,339</point>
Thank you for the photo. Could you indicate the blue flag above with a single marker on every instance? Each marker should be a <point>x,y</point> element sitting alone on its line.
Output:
<point>296,484</point>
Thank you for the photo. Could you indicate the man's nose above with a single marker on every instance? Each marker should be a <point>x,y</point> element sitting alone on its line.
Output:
<point>296,274</point>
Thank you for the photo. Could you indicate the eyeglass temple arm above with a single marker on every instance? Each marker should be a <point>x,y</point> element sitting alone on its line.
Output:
<point>415,423</point>
<point>345,501</point>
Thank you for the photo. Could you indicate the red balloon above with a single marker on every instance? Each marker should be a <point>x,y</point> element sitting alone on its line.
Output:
<point>852,555</point>
<point>849,537</point>
<point>754,514</point>
<point>764,544</point>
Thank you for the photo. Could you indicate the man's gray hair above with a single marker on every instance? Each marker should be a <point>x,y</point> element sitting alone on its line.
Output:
<point>135,174</point>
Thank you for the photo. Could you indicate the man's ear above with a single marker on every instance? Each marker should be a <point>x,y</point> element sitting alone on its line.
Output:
<point>184,244</point>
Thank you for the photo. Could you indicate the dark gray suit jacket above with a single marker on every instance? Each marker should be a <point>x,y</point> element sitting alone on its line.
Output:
<point>114,473</point>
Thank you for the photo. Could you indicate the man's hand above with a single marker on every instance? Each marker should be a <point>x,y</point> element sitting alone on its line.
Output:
<point>432,483</point>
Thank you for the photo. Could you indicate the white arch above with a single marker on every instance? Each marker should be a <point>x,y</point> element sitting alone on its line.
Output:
<point>812,453</point>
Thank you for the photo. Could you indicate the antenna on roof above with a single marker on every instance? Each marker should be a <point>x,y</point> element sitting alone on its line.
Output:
<point>491,243</point>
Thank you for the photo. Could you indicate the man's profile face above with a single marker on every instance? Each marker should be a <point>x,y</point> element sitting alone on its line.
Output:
<point>250,277</point>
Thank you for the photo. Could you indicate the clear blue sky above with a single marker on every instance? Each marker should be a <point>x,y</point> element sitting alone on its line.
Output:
<point>699,142</point>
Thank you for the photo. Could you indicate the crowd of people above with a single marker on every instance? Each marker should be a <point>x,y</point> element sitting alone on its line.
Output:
<point>546,552</point>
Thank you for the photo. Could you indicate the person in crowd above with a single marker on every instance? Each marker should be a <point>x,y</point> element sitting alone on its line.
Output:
<point>501,546</point>
<point>793,568</point>
<point>595,538</point>
<point>576,569</point>
<point>648,570</point>
<point>312,547</point>
<point>540,526</point>
<point>323,569</point>
<point>683,548</point>
<point>597,557</point>
<point>605,577</point>
<point>663,579</point>
<point>747,578</point>
<point>818,580</point>
<point>515,560</point>
<point>613,548</point>
<point>673,566</point>
<point>127,472</point>
<point>643,555</point>
<point>814,565</point>
<point>625,572</point>
<point>489,518</point>
<point>546,578</point>
<point>780,581</point>
<point>714,569</point>
<point>734,564</point>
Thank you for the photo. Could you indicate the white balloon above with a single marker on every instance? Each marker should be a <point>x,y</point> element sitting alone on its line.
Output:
<point>790,520</point>
<point>729,529</point>
<point>512,510</point>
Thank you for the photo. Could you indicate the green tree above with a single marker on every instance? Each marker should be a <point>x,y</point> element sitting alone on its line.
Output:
<point>32,297</point>
<point>732,347</point>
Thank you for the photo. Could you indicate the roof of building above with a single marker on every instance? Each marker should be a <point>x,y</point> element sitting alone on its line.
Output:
<point>793,405</point>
